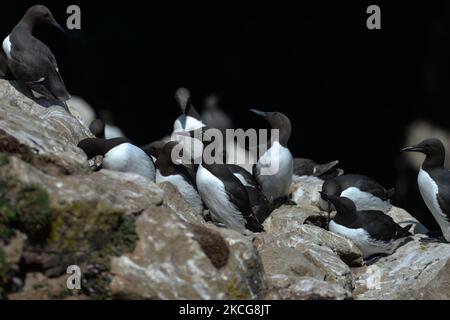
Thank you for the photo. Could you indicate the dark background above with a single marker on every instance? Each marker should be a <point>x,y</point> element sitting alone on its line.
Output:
<point>348,91</point>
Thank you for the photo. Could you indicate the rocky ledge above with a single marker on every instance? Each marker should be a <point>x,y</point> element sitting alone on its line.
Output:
<point>133,239</point>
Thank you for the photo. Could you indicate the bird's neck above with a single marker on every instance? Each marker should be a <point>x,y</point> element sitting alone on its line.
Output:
<point>27,23</point>
<point>434,161</point>
<point>190,111</point>
<point>283,136</point>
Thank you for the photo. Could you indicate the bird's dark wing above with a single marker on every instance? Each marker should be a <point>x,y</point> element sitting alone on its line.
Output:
<point>237,193</point>
<point>442,178</point>
<point>380,226</point>
<point>32,61</point>
<point>249,178</point>
<point>188,174</point>
<point>260,205</point>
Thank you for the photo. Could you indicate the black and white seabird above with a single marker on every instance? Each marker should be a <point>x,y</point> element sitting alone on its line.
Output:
<point>434,182</point>
<point>372,231</point>
<point>213,116</point>
<point>226,198</point>
<point>225,195</point>
<point>119,154</point>
<point>190,119</point>
<point>366,193</point>
<point>30,61</point>
<point>177,174</point>
<point>307,167</point>
<point>274,168</point>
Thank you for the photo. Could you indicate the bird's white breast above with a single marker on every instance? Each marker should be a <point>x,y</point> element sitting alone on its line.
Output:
<point>7,47</point>
<point>429,190</point>
<point>365,200</point>
<point>187,123</point>
<point>113,132</point>
<point>212,191</point>
<point>128,158</point>
<point>186,190</point>
<point>275,168</point>
<point>362,239</point>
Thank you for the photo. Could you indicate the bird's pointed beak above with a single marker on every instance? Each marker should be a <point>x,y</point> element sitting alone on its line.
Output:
<point>324,195</point>
<point>57,25</point>
<point>411,149</point>
<point>259,113</point>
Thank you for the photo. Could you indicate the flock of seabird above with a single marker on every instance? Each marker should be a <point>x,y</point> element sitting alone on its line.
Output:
<point>237,196</point>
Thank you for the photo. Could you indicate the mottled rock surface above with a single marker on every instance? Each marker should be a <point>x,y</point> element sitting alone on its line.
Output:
<point>55,212</point>
<point>416,270</point>
<point>133,239</point>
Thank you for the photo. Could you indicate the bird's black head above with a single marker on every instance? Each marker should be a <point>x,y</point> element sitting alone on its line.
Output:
<point>41,14</point>
<point>97,127</point>
<point>342,204</point>
<point>99,147</point>
<point>211,102</point>
<point>91,146</point>
<point>154,148</point>
<point>166,152</point>
<point>277,120</point>
<point>433,149</point>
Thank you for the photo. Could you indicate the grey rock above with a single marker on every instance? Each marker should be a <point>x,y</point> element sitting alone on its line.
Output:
<point>291,255</point>
<point>282,287</point>
<point>177,260</point>
<point>305,190</point>
<point>290,218</point>
<point>415,271</point>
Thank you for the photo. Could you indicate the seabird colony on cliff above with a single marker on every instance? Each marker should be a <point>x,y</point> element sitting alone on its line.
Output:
<point>240,195</point>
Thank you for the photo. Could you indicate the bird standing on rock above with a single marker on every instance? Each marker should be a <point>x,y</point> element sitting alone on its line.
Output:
<point>372,231</point>
<point>30,61</point>
<point>119,154</point>
<point>434,182</point>
<point>274,168</point>
<point>190,119</point>
<point>225,195</point>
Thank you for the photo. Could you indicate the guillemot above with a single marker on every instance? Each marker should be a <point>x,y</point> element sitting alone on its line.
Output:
<point>213,116</point>
<point>274,168</point>
<point>372,231</point>
<point>178,175</point>
<point>119,154</point>
<point>308,167</point>
<point>225,195</point>
<point>190,119</point>
<point>30,61</point>
<point>434,182</point>
<point>366,193</point>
